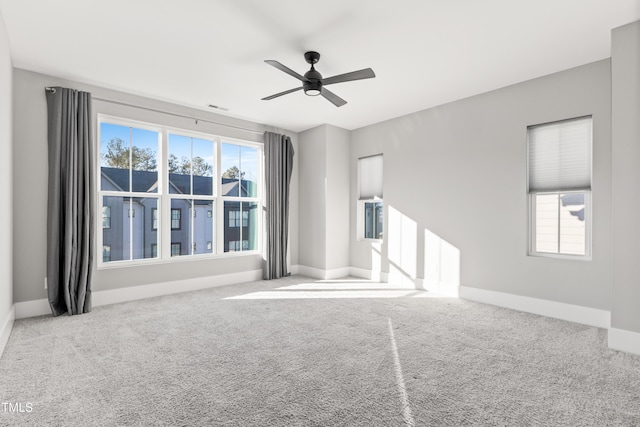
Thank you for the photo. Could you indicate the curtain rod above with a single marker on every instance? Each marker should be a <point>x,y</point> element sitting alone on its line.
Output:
<point>126,104</point>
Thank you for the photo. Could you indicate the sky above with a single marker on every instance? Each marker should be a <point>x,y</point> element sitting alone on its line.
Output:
<point>245,158</point>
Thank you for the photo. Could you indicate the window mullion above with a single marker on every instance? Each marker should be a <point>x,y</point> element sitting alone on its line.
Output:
<point>219,200</point>
<point>559,223</point>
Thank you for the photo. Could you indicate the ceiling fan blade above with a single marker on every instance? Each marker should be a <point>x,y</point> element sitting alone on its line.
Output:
<point>367,73</point>
<point>332,97</point>
<point>281,93</point>
<point>286,69</point>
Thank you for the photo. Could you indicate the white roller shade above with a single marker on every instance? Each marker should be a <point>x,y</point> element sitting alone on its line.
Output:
<point>370,177</point>
<point>560,155</point>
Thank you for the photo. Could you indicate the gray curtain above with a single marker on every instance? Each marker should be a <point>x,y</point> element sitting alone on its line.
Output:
<point>278,153</point>
<point>70,214</point>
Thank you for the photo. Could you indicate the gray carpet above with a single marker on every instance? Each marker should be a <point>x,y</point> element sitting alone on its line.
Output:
<point>314,354</point>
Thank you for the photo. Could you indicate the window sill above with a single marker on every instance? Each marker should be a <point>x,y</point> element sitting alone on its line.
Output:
<point>565,257</point>
<point>174,260</point>
<point>363,239</point>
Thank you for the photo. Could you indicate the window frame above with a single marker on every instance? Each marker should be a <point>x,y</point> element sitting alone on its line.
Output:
<point>533,226</point>
<point>531,204</point>
<point>361,201</point>
<point>362,223</point>
<point>164,197</point>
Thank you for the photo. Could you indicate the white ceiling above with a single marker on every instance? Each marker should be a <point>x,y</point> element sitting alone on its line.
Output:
<point>198,52</point>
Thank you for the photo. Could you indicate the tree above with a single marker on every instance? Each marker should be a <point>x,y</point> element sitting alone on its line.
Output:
<point>183,166</point>
<point>174,166</point>
<point>201,167</point>
<point>233,172</point>
<point>117,156</point>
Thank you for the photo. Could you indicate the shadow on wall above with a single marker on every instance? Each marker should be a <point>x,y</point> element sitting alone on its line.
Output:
<point>441,258</point>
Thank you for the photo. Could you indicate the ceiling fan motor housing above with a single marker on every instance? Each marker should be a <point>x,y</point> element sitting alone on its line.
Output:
<point>313,85</point>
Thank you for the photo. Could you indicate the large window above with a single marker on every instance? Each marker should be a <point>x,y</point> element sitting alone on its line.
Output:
<point>370,203</point>
<point>559,185</point>
<point>161,190</point>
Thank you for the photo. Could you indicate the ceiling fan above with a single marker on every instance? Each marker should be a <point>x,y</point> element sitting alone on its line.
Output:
<point>312,82</point>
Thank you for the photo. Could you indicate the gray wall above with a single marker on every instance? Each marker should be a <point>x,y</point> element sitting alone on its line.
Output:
<point>337,167</point>
<point>6,88</point>
<point>313,196</point>
<point>459,171</point>
<point>625,68</point>
<point>324,201</point>
<point>30,184</point>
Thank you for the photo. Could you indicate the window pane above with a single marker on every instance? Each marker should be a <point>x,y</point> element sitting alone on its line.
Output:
<point>141,225</point>
<point>249,168</point>
<point>250,231</point>
<point>231,230</point>
<point>117,236</point>
<point>203,226</point>
<point>130,235</point>
<point>179,164</point>
<point>114,157</point>
<point>547,223</point>
<point>144,160</point>
<point>230,167</point>
<point>572,224</point>
<point>202,167</point>
<point>181,226</point>
<point>241,226</point>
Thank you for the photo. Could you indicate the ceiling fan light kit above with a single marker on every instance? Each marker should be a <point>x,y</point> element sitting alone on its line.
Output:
<point>313,83</point>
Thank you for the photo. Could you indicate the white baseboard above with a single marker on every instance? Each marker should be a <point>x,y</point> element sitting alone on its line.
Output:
<point>318,273</point>
<point>7,326</point>
<point>113,296</point>
<point>294,269</point>
<point>572,313</point>
<point>38,307</point>
<point>363,273</point>
<point>628,341</point>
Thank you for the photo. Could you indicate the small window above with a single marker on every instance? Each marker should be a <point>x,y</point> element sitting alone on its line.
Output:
<point>373,220</point>
<point>106,217</point>
<point>106,253</point>
<point>559,185</point>
<point>176,219</point>
<point>176,248</point>
<point>154,221</point>
<point>234,219</point>
<point>370,202</point>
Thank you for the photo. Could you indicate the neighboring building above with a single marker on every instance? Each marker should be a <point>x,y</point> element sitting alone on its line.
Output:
<point>135,219</point>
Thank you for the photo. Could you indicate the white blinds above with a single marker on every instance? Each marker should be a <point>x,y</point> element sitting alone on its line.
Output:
<point>370,177</point>
<point>560,155</point>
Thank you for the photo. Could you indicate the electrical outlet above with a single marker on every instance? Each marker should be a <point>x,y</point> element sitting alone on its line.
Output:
<point>45,283</point>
